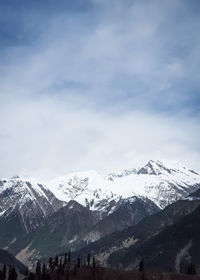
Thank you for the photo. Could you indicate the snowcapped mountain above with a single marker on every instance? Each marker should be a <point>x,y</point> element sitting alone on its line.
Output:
<point>30,201</point>
<point>90,189</point>
<point>112,203</point>
<point>161,182</point>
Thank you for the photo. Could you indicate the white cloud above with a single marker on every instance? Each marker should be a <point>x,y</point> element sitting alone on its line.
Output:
<point>47,138</point>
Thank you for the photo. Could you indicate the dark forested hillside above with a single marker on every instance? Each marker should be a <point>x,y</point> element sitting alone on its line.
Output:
<point>123,247</point>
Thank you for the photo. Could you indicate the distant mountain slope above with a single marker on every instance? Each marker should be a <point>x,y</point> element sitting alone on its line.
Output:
<point>112,249</point>
<point>9,260</point>
<point>57,233</point>
<point>171,248</point>
<point>161,182</point>
<point>74,225</point>
<point>130,212</point>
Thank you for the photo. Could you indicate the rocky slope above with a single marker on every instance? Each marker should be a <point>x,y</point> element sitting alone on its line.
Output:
<point>74,226</point>
<point>173,248</point>
<point>56,234</point>
<point>23,206</point>
<point>130,212</point>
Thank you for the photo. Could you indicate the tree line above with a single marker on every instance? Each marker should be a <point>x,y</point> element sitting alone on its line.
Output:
<point>64,268</point>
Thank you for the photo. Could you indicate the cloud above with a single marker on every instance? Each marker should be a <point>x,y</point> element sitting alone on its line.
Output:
<point>46,138</point>
<point>98,86</point>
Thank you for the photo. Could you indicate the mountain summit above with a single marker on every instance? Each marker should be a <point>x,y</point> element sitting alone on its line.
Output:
<point>161,182</point>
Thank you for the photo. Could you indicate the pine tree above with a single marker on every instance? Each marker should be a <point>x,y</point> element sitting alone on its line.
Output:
<point>50,263</point>
<point>88,259</point>
<point>65,259</point>
<point>69,257</point>
<point>26,271</point>
<point>38,269</point>
<point>141,265</point>
<point>93,262</point>
<point>43,269</point>
<point>78,262</point>
<point>60,263</point>
<point>56,260</point>
<point>12,274</point>
<point>1,274</point>
<point>4,272</point>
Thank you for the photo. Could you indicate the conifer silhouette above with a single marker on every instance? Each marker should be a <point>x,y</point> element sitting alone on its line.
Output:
<point>78,261</point>
<point>88,259</point>
<point>141,265</point>
<point>93,262</point>
<point>4,272</point>
<point>38,269</point>
<point>65,259</point>
<point>56,260</point>
<point>50,263</point>
<point>43,270</point>
<point>69,257</point>
<point>12,274</point>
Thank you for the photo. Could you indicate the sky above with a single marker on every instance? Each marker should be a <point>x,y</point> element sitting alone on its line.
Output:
<point>98,84</point>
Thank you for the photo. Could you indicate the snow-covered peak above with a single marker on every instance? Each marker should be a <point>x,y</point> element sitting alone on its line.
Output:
<point>31,200</point>
<point>89,188</point>
<point>75,183</point>
<point>23,188</point>
<point>157,167</point>
<point>163,182</point>
<point>163,167</point>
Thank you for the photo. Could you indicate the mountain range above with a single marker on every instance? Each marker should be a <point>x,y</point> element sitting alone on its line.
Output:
<point>112,216</point>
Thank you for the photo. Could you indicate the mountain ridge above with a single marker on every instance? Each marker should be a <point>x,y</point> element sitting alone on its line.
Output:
<point>159,182</point>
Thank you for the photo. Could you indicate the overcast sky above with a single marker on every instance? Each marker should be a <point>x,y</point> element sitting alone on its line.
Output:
<point>98,84</point>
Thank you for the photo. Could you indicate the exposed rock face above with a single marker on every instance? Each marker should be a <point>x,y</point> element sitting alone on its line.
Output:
<point>23,206</point>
